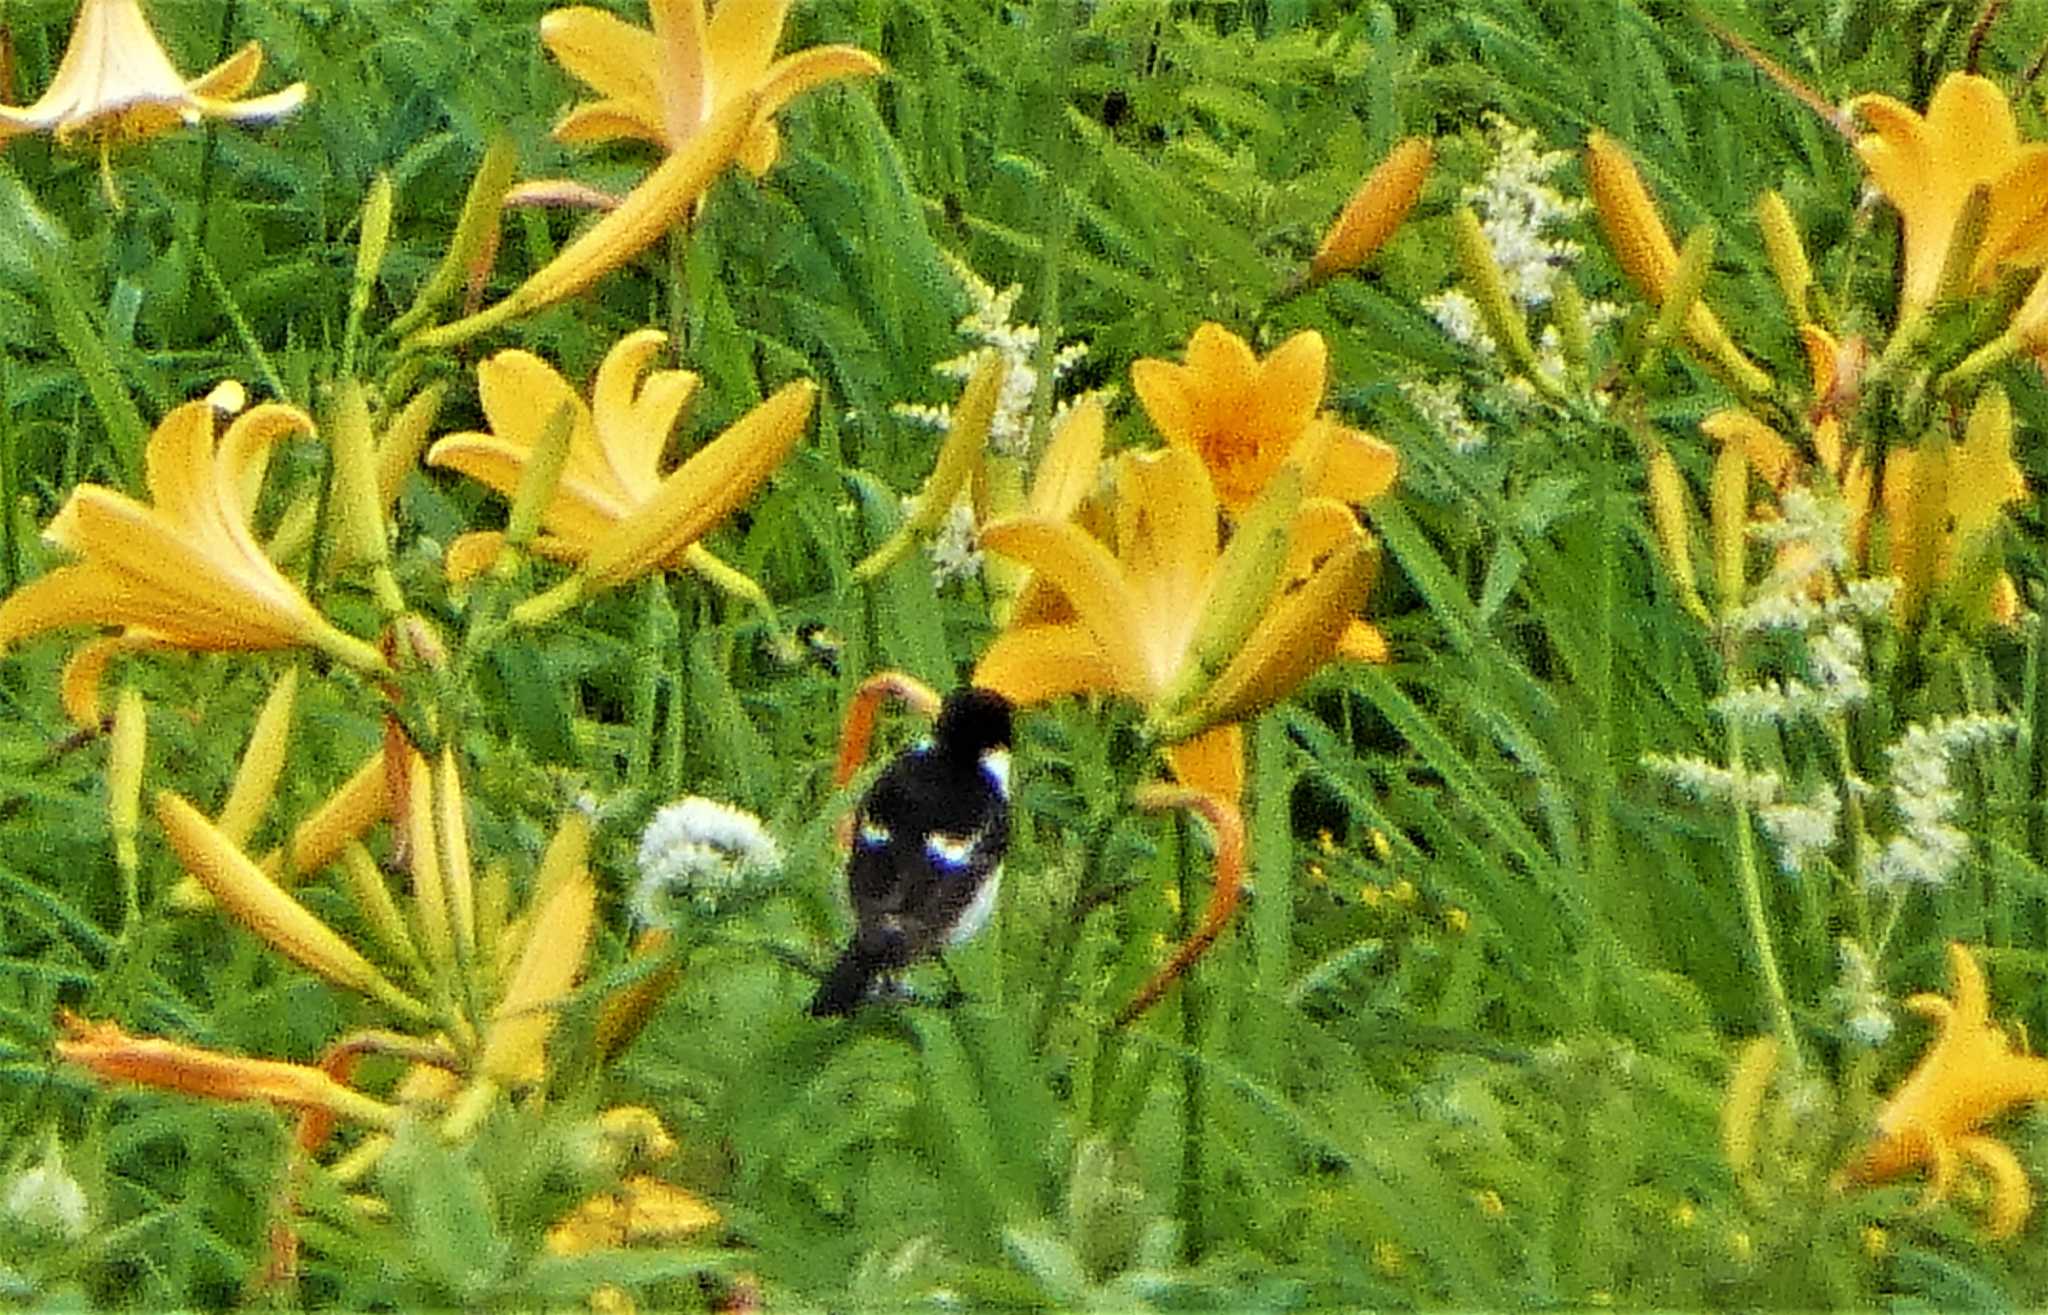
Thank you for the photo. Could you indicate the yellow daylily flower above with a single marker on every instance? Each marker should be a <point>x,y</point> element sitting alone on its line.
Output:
<point>644,1211</point>
<point>185,572</point>
<point>1970,1076</point>
<point>1243,416</point>
<point>663,85</point>
<point>613,510</point>
<point>1941,527</point>
<point>115,83</point>
<point>1927,166</point>
<point>1150,615</point>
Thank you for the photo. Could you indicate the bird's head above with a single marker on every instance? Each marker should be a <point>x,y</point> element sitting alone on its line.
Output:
<point>972,721</point>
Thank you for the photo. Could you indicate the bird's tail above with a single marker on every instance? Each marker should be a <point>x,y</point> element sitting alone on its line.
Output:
<point>844,986</point>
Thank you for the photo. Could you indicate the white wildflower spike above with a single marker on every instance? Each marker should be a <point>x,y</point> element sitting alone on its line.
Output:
<point>956,548</point>
<point>1517,208</point>
<point>47,1200</point>
<point>700,848</point>
<point>1867,1015</point>
<point>1441,405</point>
<point>1712,783</point>
<point>1801,832</point>
<point>988,323</point>
<point>1928,847</point>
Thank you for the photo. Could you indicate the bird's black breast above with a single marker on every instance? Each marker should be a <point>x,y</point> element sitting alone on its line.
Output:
<point>928,834</point>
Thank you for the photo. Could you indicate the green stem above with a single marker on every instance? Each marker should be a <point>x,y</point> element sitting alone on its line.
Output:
<point>1752,891</point>
<point>1859,827</point>
<point>1192,998</point>
<point>647,665</point>
<point>679,290</point>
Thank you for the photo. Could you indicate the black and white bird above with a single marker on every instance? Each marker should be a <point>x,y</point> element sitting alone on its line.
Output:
<point>928,843</point>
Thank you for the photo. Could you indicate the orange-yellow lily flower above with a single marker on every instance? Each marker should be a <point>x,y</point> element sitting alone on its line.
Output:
<point>116,83</point>
<point>1927,166</point>
<point>1170,621</point>
<point>1243,416</point>
<point>185,572</point>
<point>1941,529</point>
<point>613,510</point>
<point>1970,1076</point>
<point>663,85</point>
<point>112,1055</point>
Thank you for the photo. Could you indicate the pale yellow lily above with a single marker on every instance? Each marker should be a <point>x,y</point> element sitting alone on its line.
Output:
<point>185,572</point>
<point>1928,165</point>
<point>1172,623</point>
<point>1243,416</point>
<point>613,511</point>
<point>663,85</point>
<point>115,83</point>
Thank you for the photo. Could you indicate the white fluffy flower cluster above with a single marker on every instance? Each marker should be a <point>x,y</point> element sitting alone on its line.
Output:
<point>955,550</point>
<point>988,323</point>
<point>1710,783</point>
<point>45,1198</point>
<point>1801,831</point>
<point>1799,596</point>
<point>1929,847</point>
<point>700,848</point>
<point>1867,1015</point>
<point>1441,404</point>
<point>1518,210</point>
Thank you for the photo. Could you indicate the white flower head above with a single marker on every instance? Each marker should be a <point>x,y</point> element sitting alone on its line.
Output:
<point>1708,782</point>
<point>1518,208</point>
<point>1440,403</point>
<point>1802,831</point>
<point>988,323</point>
<point>700,848</point>
<point>45,1198</point>
<point>1867,1015</point>
<point>1929,847</point>
<point>955,550</point>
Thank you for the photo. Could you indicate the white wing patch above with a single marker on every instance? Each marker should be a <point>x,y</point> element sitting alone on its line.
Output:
<point>975,916</point>
<point>995,764</point>
<point>952,851</point>
<point>873,833</point>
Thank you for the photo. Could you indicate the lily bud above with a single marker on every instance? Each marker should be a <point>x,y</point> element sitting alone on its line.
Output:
<point>1375,210</point>
<point>479,219</point>
<point>1728,513</point>
<point>124,774</point>
<point>957,458</point>
<point>256,902</point>
<point>540,475</point>
<point>255,782</point>
<point>1786,251</point>
<point>1488,286</point>
<point>1687,283</point>
<point>1670,512</point>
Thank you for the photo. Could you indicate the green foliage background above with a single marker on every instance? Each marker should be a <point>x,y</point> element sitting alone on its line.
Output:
<point>1479,1067</point>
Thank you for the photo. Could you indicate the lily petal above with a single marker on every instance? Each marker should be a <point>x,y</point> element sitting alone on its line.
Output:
<point>705,489</point>
<point>1035,664</point>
